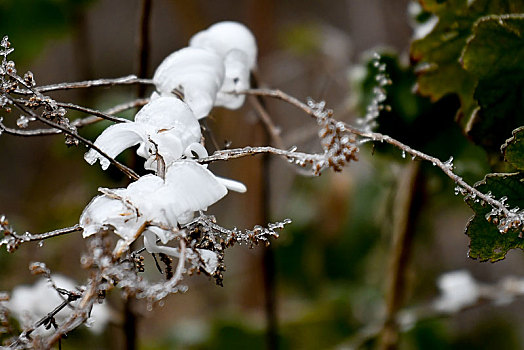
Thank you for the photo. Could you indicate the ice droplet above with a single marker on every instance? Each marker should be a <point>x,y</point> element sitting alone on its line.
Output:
<point>40,244</point>
<point>5,42</point>
<point>22,122</point>
<point>449,163</point>
<point>403,154</point>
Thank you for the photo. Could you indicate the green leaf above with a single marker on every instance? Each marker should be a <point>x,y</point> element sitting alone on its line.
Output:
<point>495,46</point>
<point>494,53</point>
<point>438,53</point>
<point>486,242</point>
<point>513,149</point>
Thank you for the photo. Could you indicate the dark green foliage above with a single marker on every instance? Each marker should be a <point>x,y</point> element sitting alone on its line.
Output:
<point>486,242</point>
<point>513,149</point>
<point>494,53</point>
<point>460,54</point>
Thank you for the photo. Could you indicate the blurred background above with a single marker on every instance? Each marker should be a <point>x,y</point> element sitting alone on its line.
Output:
<point>332,265</point>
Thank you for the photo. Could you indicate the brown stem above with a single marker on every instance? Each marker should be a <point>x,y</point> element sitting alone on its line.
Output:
<point>143,43</point>
<point>129,172</point>
<point>266,133</point>
<point>78,123</point>
<point>446,167</point>
<point>34,237</point>
<point>127,80</point>
<point>407,207</point>
<point>130,317</point>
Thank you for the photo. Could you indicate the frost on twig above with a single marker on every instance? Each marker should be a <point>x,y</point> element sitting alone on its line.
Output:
<point>369,121</point>
<point>12,240</point>
<point>199,247</point>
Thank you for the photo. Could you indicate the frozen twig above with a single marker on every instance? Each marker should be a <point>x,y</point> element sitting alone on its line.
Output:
<point>94,112</point>
<point>127,80</point>
<point>27,133</point>
<point>509,218</point>
<point>12,240</point>
<point>271,128</point>
<point>129,172</point>
<point>234,153</point>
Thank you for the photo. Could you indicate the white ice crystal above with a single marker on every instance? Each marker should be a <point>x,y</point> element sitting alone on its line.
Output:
<point>165,126</point>
<point>188,187</point>
<point>118,209</point>
<point>194,73</point>
<point>237,46</point>
<point>225,36</point>
<point>210,260</point>
<point>28,304</point>
<point>237,79</point>
<point>458,290</point>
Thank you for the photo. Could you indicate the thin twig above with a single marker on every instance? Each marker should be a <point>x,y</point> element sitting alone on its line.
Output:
<point>82,311</point>
<point>271,128</point>
<point>234,153</point>
<point>28,133</point>
<point>127,80</point>
<point>446,167</point>
<point>127,105</point>
<point>78,123</point>
<point>129,172</point>
<point>114,110</point>
<point>17,344</point>
<point>101,115</point>
<point>79,108</point>
<point>34,237</point>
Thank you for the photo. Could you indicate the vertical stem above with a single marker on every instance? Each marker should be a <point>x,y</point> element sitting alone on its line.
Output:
<point>143,44</point>
<point>130,318</point>
<point>407,207</point>
<point>268,258</point>
<point>82,53</point>
<point>268,261</point>
<point>130,324</point>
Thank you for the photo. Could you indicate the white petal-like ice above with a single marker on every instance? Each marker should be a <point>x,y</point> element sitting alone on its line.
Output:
<point>225,36</point>
<point>197,74</point>
<point>237,46</point>
<point>165,126</point>
<point>114,140</point>
<point>237,79</point>
<point>188,187</point>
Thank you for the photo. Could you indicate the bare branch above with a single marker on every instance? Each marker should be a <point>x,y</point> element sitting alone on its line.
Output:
<point>34,237</point>
<point>94,112</point>
<point>278,94</point>
<point>27,133</point>
<point>129,172</point>
<point>127,105</point>
<point>127,80</point>
<point>12,240</point>
<point>272,129</point>
<point>298,158</point>
<point>446,166</point>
